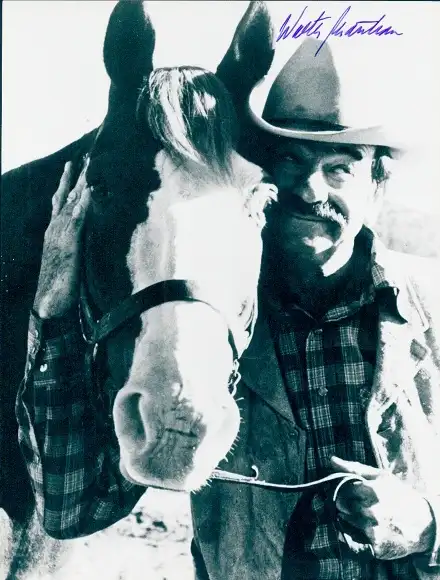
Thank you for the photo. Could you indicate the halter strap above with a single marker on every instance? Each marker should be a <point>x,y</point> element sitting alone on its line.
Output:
<point>134,305</point>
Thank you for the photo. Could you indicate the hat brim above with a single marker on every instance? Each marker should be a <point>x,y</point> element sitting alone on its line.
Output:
<point>374,135</point>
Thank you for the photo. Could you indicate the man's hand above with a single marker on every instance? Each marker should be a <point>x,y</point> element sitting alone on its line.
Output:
<point>57,289</point>
<point>396,519</point>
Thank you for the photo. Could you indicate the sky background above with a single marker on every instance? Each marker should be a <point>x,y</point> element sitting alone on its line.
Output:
<point>54,84</point>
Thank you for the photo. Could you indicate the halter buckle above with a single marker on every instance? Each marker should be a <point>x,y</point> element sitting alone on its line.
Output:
<point>234,378</point>
<point>82,322</point>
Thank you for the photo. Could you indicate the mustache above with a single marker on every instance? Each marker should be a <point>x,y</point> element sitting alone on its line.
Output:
<point>327,210</point>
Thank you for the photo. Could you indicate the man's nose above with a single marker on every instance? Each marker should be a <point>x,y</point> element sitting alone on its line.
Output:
<point>314,189</point>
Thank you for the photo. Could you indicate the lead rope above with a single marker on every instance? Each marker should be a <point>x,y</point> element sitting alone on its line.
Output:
<point>230,477</point>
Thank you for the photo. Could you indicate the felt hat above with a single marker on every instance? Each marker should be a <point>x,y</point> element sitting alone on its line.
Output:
<point>329,93</point>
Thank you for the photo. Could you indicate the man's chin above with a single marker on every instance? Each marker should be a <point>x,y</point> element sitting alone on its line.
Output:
<point>316,246</point>
<point>321,235</point>
<point>304,236</point>
<point>319,244</point>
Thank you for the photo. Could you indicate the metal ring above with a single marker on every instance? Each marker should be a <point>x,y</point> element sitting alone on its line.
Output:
<point>82,325</point>
<point>234,379</point>
<point>233,389</point>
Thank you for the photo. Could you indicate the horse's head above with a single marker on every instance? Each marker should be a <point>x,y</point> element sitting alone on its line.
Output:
<point>173,200</point>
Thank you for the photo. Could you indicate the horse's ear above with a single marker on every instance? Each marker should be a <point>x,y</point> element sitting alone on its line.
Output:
<point>129,44</point>
<point>251,52</point>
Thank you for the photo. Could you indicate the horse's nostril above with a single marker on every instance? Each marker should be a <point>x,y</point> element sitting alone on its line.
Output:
<point>130,422</point>
<point>134,415</point>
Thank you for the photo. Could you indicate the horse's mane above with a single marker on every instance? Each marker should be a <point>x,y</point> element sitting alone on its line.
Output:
<point>191,113</point>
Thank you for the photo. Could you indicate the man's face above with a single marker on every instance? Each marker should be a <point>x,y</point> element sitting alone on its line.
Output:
<point>325,194</point>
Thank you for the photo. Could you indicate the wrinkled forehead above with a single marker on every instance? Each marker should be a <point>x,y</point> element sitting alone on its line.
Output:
<point>313,151</point>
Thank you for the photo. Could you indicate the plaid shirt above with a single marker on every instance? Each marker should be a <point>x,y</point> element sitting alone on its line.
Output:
<point>328,368</point>
<point>64,445</point>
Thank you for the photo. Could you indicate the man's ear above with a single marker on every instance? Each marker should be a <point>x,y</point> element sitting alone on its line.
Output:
<point>389,164</point>
<point>129,45</point>
<point>375,205</point>
<point>250,53</point>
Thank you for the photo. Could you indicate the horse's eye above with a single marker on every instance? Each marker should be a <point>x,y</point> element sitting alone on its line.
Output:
<point>99,191</point>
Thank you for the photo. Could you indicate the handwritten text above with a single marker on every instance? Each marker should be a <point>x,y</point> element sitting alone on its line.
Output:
<point>340,28</point>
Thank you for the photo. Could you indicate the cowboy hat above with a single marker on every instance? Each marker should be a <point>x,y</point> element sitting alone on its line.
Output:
<point>335,92</point>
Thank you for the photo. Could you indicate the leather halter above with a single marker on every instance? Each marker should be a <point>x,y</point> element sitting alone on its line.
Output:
<point>145,299</point>
<point>95,332</point>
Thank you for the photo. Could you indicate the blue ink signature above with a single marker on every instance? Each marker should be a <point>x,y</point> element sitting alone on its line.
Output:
<point>314,27</point>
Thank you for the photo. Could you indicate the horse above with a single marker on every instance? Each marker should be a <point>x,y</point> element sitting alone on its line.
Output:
<point>175,209</point>
<point>174,417</point>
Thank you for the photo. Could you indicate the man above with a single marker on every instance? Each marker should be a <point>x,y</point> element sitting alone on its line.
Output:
<point>342,372</point>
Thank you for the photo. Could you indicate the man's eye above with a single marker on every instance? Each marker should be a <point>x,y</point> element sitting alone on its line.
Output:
<point>339,170</point>
<point>290,164</point>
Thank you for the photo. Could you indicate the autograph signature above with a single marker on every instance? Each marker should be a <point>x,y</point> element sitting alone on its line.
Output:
<point>314,27</point>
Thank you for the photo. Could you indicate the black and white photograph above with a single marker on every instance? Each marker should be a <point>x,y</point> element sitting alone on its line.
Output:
<point>220,313</point>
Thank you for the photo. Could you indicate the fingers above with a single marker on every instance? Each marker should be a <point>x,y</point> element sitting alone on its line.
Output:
<point>355,467</point>
<point>357,490</point>
<point>63,194</point>
<point>355,505</point>
<point>80,208</point>
<point>358,545</point>
<point>80,184</point>
<point>349,505</point>
<point>60,195</point>
<point>362,520</point>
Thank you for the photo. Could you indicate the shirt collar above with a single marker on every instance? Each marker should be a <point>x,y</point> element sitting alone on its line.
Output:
<point>386,279</point>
